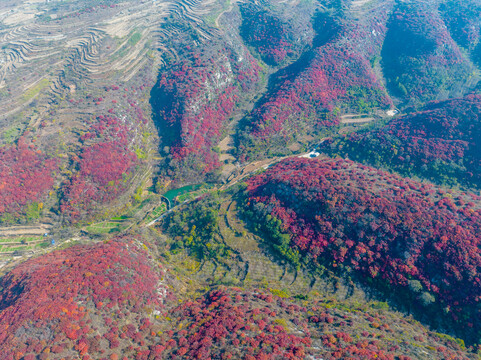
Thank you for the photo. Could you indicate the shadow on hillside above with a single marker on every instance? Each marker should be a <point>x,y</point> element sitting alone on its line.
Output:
<point>164,105</point>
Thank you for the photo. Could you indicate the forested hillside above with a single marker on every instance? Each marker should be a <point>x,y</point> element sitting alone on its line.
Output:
<point>240,179</point>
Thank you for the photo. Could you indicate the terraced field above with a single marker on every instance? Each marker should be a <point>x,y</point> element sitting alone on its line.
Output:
<point>20,241</point>
<point>46,56</point>
<point>155,213</point>
<point>251,263</point>
<point>63,64</point>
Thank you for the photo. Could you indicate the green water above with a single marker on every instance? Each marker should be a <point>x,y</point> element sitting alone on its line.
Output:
<point>172,194</point>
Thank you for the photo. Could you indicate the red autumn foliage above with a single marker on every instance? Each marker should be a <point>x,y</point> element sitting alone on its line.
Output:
<point>230,323</point>
<point>315,93</point>
<point>104,170</point>
<point>219,319</point>
<point>275,39</point>
<point>421,60</point>
<point>196,97</point>
<point>48,302</point>
<point>26,175</point>
<point>441,143</point>
<point>384,226</point>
